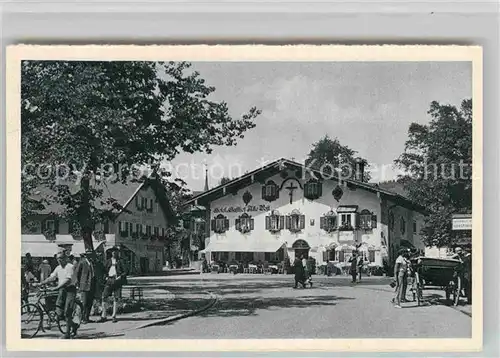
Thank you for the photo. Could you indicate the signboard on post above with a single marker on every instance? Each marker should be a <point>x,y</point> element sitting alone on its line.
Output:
<point>461,222</point>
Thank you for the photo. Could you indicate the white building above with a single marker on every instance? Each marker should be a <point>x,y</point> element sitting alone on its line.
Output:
<point>284,209</point>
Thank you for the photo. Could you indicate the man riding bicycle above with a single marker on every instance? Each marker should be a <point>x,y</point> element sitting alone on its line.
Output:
<point>66,287</point>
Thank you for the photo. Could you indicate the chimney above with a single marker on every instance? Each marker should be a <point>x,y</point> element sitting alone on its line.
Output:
<point>360,169</point>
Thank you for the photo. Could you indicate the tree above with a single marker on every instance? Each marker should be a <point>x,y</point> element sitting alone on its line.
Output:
<point>108,119</point>
<point>329,154</point>
<point>224,180</point>
<point>438,168</point>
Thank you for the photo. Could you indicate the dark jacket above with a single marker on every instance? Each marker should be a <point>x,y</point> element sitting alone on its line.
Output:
<point>120,269</point>
<point>85,274</point>
<point>298,270</point>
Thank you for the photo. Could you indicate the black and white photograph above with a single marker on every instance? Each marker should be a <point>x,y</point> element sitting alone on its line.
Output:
<point>245,199</point>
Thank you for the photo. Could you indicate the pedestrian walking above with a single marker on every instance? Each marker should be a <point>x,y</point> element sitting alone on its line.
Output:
<point>354,265</point>
<point>401,274</point>
<point>309,270</point>
<point>86,283</point>
<point>116,277</point>
<point>359,266</point>
<point>298,269</point>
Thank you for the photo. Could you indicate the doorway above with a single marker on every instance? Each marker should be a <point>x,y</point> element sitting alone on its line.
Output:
<point>301,248</point>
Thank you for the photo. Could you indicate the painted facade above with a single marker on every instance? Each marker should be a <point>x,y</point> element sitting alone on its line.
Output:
<point>360,218</point>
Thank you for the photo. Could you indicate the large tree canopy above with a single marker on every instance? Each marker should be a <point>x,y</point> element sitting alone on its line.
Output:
<point>438,164</point>
<point>95,117</point>
<point>329,153</point>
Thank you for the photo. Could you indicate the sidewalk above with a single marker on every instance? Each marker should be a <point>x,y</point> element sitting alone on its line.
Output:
<point>158,304</point>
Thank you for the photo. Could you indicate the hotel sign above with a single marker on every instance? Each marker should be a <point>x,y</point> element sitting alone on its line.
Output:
<point>242,209</point>
<point>462,223</point>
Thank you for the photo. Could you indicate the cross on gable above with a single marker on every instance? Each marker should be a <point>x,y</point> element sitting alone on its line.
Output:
<point>291,188</point>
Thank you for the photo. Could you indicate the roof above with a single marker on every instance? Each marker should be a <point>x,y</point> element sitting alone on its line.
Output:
<point>123,193</point>
<point>263,173</point>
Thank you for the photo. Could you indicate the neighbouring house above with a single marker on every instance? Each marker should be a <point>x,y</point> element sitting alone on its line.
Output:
<point>138,230</point>
<point>284,209</point>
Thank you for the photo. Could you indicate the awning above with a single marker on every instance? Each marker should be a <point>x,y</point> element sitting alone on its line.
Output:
<point>79,247</point>
<point>38,249</point>
<point>243,246</point>
<point>345,248</point>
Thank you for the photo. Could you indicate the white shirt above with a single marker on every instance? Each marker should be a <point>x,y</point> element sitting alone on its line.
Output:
<point>112,269</point>
<point>63,273</point>
<point>404,263</point>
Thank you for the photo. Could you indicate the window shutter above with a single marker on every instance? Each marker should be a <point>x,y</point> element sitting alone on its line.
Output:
<point>143,227</point>
<point>251,224</point>
<point>325,255</point>
<point>150,204</point>
<point>302,222</point>
<point>320,189</point>
<point>268,222</point>
<point>322,221</point>
<point>120,226</point>
<point>56,226</point>
<point>137,202</point>
<point>237,224</point>
<point>357,220</point>
<point>263,192</point>
<point>126,229</point>
<point>277,192</point>
<point>374,221</point>
<point>226,224</point>
<point>44,225</point>
<point>282,222</point>
<point>212,224</point>
<point>288,223</point>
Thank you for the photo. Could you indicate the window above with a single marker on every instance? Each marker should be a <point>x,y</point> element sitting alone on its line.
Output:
<point>220,224</point>
<point>312,189</point>
<point>106,227</point>
<point>150,206</point>
<point>148,230</point>
<point>328,222</point>
<point>123,228</point>
<point>367,220</point>
<point>414,227</point>
<point>371,256</point>
<point>341,256</point>
<point>271,256</point>
<point>275,222</point>
<point>237,256</point>
<point>270,191</point>
<point>295,221</point>
<point>391,221</point>
<point>244,223</point>
<point>156,231</point>
<point>402,225</point>
<point>346,222</point>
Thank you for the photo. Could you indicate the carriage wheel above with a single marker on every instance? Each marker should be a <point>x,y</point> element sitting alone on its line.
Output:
<point>418,287</point>
<point>457,290</point>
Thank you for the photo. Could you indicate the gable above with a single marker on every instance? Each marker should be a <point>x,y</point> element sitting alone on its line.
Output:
<point>261,175</point>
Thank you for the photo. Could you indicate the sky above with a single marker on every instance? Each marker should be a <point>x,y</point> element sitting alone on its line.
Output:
<point>366,106</point>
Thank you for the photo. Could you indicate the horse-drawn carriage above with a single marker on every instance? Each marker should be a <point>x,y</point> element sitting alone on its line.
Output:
<point>447,274</point>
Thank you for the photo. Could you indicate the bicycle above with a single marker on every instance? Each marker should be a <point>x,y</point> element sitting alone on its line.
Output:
<point>33,315</point>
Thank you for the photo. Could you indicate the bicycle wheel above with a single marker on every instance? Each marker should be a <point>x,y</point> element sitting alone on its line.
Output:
<point>456,291</point>
<point>77,318</point>
<point>31,320</point>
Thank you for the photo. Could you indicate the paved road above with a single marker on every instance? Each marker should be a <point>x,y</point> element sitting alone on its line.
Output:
<point>267,307</point>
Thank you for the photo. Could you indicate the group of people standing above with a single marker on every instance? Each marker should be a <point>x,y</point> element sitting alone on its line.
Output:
<point>303,271</point>
<point>89,276</point>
